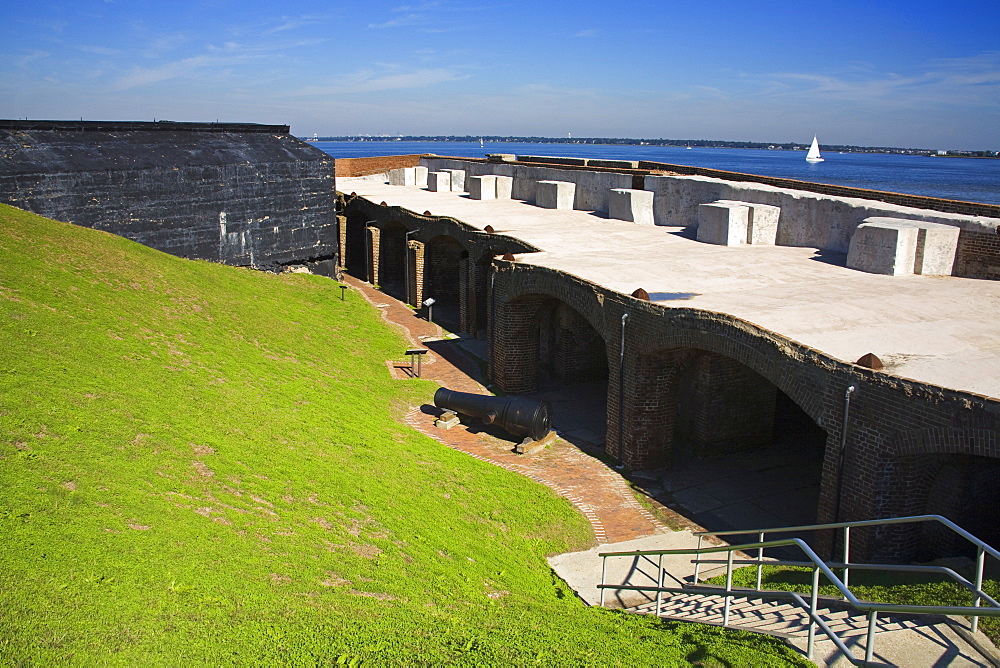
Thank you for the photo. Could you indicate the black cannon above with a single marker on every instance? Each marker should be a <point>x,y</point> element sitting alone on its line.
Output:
<point>518,415</point>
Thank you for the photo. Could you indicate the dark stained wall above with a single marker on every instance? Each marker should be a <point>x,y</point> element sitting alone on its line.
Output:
<point>249,195</point>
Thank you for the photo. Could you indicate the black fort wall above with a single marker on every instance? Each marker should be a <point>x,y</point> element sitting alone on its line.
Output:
<point>242,194</point>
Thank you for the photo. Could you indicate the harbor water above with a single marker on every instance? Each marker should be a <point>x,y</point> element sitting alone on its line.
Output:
<point>966,179</point>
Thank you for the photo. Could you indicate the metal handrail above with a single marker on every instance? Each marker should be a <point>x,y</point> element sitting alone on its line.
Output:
<point>818,566</point>
<point>982,548</point>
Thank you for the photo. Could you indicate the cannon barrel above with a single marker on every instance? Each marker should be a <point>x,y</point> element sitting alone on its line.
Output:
<point>518,415</point>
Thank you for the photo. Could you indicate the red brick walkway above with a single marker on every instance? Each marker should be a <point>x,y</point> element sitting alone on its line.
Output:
<point>600,493</point>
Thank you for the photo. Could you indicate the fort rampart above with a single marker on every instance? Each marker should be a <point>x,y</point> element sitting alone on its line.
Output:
<point>710,383</point>
<point>241,194</point>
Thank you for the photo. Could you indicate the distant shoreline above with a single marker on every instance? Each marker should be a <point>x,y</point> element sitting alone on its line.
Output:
<point>675,143</point>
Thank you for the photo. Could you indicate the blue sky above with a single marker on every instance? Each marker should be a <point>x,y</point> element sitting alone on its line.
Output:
<point>919,74</point>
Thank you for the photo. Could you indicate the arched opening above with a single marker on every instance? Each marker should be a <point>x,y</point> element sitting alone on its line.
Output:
<point>965,489</point>
<point>356,259</point>
<point>392,260</point>
<point>444,262</point>
<point>481,277</point>
<point>722,442</point>
<point>554,354</point>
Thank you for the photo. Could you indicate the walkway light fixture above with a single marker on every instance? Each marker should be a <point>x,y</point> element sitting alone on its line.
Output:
<point>429,303</point>
<point>343,291</point>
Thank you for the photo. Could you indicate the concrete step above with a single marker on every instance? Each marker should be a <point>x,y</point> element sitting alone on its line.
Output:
<point>899,641</point>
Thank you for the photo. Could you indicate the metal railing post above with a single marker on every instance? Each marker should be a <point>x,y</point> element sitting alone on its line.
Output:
<point>659,585</point>
<point>813,601</point>
<point>870,640</point>
<point>697,560</point>
<point>760,558</point>
<point>980,562</point>
<point>729,588</point>
<point>847,558</point>
<point>604,571</point>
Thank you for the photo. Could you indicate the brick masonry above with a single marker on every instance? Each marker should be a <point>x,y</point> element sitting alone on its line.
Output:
<point>681,377</point>
<point>348,167</point>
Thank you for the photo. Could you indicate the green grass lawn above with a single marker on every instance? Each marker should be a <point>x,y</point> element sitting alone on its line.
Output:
<point>200,464</point>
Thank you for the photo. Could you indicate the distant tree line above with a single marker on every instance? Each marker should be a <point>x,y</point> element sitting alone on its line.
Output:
<point>703,143</point>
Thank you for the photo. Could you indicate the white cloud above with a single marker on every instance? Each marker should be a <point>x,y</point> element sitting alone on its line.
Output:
<point>143,76</point>
<point>972,80</point>
<point>420,78</point>
<point>406,20</point>
<point>590,32</point>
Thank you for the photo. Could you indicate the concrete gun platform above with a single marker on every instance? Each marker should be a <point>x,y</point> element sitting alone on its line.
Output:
<point>938,330</point>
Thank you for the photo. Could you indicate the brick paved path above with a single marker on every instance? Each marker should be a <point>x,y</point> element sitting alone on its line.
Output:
<point>600,493</point>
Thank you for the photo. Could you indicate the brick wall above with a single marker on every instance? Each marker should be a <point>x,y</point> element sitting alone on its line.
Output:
<point>725,407</point>
<point>713,379</point>
<point>347,167</point>
<point>978,254</point>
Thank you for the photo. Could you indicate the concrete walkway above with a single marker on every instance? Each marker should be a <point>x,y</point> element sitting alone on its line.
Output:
<point>940,330</point>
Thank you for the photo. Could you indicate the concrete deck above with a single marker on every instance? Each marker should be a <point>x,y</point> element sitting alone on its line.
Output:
<point>938,330</point>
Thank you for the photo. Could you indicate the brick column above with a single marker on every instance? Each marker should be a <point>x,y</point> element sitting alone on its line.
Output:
<point>644,399</point>
<point>374,237</point>
<point>466,298</point>
<point>514,346</point>
<point>341,243</point>
<point>414,272</point>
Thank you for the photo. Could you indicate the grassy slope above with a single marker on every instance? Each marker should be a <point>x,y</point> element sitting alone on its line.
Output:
<point>198,463</point>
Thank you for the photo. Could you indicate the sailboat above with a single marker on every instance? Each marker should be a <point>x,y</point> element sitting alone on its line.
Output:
<point>813,154</point>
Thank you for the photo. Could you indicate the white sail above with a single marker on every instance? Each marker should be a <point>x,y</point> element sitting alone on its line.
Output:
<point>813,154</point>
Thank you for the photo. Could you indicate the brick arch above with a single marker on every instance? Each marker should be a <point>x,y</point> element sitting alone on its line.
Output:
<point>763,353</point>
<point>943,440</point>
<point>539,332</point>
<point>389,265</point>
<point>445,278</point>
<point>355,253</point>
<point>575,293</point>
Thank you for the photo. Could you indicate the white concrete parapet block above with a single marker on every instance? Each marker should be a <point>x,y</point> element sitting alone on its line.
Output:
<point>555,194</point>
<point>505,186</point>
<point>937,246</point>
<point>723,223</point>
<point>457,179</point>
<point>421,176</point>
<point>482,187</point>
<point>439,182</point>
<point>762,224</point>
<point>635,206</point>
<point>934,247</point>
<point>403,176</point>
<point>883,246</point>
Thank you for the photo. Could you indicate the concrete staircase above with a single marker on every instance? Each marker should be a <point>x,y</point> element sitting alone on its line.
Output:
<point>899,641</point>
<point>916,641</point>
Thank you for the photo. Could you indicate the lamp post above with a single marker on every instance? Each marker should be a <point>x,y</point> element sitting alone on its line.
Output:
<point>343,290</point>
